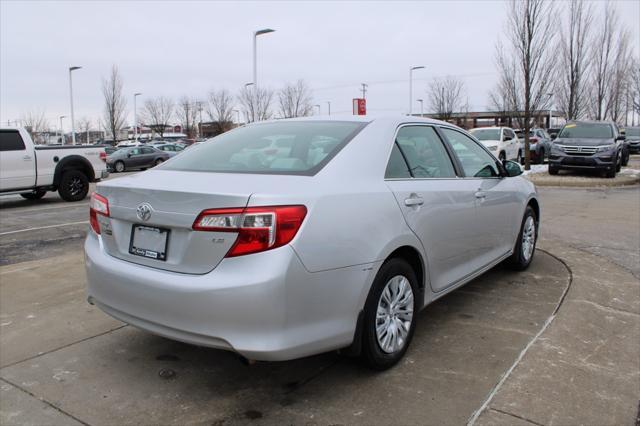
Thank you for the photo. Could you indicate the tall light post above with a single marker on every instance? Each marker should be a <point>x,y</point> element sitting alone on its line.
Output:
<point>73,128</point>
<point>317,106</point>
<point>329,107</point>
<point>135,116</point>
<point>550,95</point>
<point>62,129</point>
<point>421,107</point>
<point>255,53</point>
<point>411,69</point>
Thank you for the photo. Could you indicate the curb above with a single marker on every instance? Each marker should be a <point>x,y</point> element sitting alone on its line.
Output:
<point>591,183</point>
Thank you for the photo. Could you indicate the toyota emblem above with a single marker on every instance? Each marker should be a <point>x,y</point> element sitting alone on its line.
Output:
<point>144,212</point>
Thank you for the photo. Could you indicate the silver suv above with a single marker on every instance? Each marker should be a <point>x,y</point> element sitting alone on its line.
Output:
<point>337,241</point>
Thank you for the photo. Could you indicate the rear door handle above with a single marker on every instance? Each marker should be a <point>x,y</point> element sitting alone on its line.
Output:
<point>26,158</point>
<point>481,194</point>
<point>410,202</point>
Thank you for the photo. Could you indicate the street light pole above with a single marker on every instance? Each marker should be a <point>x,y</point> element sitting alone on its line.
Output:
<point>411,86</point>
<point>255,53</point>
<point>329,107</point>
<point>421,105</point>
<point>550,95</point>
<point>135,116</point>
<point>364,90</point>
<point>73,129</point>
<point>62,130</point>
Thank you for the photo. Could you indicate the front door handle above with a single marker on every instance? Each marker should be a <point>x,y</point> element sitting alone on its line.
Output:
<point>481,194</point>
<point>410,202</point>
<point>26,158</point>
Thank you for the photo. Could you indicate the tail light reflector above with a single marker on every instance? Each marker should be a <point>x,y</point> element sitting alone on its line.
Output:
<point>97,205</point>
<point>103,156</point>
<point>259,228</point>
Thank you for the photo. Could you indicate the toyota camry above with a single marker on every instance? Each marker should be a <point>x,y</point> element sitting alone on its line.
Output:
<point>335,240</point>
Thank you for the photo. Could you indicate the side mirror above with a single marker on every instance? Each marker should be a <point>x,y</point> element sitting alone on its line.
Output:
<point>621,138</point>
<point>512,168</point>
<point>129,155</point>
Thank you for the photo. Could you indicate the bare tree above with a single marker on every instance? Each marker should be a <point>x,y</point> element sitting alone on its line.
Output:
<point>635,87</point>
<point>528,65</point>
<point>571,87</point>
<point>158,113</point>
<point>84,127</point>
<point>618,79</point>
<point>295,100</point>
<point>35,123</point>
<point>114,103</point>
<point>256,103</point>
<point>220,110</point>
<point>187,112</point>
<point>445,96</point>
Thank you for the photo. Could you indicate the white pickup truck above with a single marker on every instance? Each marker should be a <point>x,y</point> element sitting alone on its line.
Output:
<point>31,170</point>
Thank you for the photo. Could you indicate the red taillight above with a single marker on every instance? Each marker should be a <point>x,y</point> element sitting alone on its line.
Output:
<point>97,205</point>
<point>258,228</point>
<point>103,156</point>
<point>533,139</point>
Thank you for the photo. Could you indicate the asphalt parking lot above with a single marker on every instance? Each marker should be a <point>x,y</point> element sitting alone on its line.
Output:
<point>557,344</point>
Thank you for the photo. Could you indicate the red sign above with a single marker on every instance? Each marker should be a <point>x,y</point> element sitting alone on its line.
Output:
<point>359,106</point>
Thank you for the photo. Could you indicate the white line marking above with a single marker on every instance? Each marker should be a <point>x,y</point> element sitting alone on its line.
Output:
<point>43,227</point>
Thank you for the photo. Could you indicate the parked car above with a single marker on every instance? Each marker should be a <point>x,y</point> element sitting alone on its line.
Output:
<point>632,135</point>
<point>170,148</point>
<point>553,132</point>
<point>310,251</point>
<point>110,149</point>
<point>31,170</point>
<point>626,147</point>
<point>587,145</point>
<point>138,157</point>
<point>539,144</point>
<point>501,141</point>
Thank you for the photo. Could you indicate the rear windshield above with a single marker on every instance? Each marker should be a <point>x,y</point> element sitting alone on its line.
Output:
<point>486,134</point>
<point>287,147</point>
<point>586,130</point>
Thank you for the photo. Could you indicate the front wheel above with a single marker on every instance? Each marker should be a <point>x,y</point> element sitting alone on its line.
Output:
<point>502,156</point>
<point>73,186</point>
<point>619,162</point>
<point>35,195</point>
<point>553,170</point>
<point>389,315</point>
<point>119,166</point>
<point>519,158</point>
<point>526,243</point>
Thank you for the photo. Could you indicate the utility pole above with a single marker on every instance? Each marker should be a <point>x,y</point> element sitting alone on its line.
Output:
<point>135,116</point>
<point>411,69</point>
<point>364,90</point>
<point>255,53</point>
<point>73,128</point>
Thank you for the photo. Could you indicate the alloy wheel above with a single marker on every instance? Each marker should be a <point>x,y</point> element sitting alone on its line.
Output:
<point>394,314</point>
<point>528,238</point>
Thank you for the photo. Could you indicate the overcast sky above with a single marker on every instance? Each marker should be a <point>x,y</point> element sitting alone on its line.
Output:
<point>188,48</point>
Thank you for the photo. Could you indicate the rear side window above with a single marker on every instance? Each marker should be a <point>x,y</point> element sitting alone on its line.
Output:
<point>475,161</point>
<point>10,140</point>
<point>397,168</point>
<point>287,147</point>
<point>424,152</point>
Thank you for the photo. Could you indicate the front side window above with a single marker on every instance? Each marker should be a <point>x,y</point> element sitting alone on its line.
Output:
<point>586,131</point>
<point>287,147</point>
<point>476,162</point>
<point>10,140</point>
<point>486,134</point>
<point>424,152</point>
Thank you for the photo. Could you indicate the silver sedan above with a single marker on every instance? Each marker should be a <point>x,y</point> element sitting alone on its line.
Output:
<point>334,241</point>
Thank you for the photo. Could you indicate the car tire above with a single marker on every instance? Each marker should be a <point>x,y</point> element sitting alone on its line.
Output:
<point>35,195</point>
<point>519,157</point>
<point>611,173</point>
<point>73,186</point>
<point>119,166</point>
<point>395,274</point>
<point>525,246</point>
<point>553,170</point>
<point>625,158</point>
<point>619,161</point>
<point>158,162</point>
<point>502,156</point>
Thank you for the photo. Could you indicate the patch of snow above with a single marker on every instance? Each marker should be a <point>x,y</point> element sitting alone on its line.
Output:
<point>630,172</point>
<point>536,168</point>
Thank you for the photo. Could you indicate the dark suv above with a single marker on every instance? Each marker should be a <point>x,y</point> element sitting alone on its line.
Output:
<point>593,145</point>
<point>633,139</point>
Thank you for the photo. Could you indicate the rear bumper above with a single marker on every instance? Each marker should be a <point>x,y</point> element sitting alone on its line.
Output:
<point>264,306</point>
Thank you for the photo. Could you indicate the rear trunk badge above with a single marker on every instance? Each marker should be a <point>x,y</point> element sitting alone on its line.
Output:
<point>144,211</point>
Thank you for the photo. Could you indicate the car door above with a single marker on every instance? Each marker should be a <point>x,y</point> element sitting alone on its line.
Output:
<point>17,166</point>
<point>511,149</point>
<point>498,209</point>
<point>134,157</point>
<point>437,205</point>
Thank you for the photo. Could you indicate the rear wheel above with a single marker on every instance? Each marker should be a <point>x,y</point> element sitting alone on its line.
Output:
<point>35,195</point>
<point>389,320</point>
<point>119,166</point>
<point>526,244</point>
<point>74,185</point>
<point>158,162</point>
